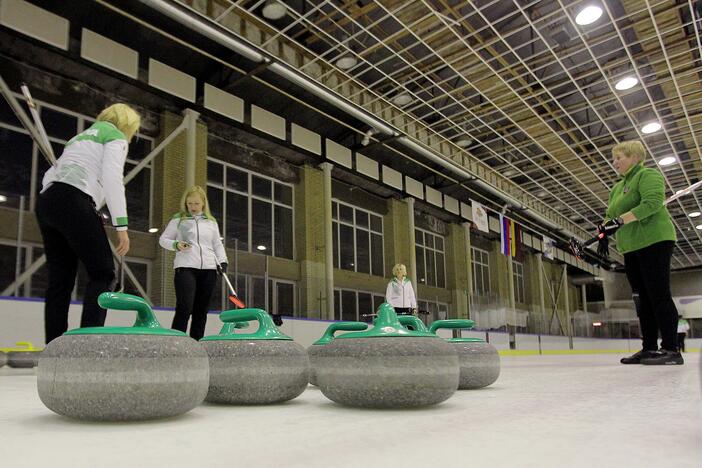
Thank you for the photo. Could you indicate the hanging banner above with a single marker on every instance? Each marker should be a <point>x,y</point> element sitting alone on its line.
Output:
<point>480,216</point>
<point>549,247</point>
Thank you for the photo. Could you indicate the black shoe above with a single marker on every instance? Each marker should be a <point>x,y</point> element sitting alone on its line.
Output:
<point>664,357</point>
<point>637,357</point>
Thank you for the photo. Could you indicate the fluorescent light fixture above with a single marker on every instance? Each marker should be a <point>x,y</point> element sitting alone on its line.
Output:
<point>588,15</point>
<point>651,127</point>
<point>694,214</point>
<point>3,198</point>
<point>153,229</point>
<point>274,10</point>
<point>625,83</point>
<point>667,161</point>
<point>346,62</point>
<point>402,99</point>
<point>261,247</point>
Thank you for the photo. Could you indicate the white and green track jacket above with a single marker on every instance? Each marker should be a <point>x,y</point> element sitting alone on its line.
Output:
<point>93,162</point>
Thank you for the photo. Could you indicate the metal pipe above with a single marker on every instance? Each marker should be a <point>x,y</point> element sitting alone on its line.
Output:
<point>20,231</point>
<point>190,145</point>
<point>328,242</point>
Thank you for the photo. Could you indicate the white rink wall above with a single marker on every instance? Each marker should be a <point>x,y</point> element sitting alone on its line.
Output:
<point>22,320</point>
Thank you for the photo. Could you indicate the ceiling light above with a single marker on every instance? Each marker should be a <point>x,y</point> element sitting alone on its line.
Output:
<point>509,173</point>
<point>346,62</point>
<point>668,160</point>
<point>651,127</point>
<point>274,10</point>
<point>694,214</point>
<point>3,198</point>
<point>699,226</point>
<point>152,230</point>
<point>541,193</point>
<point>625,83</point>
<point>574,217</point>
<point>261,247</point>
<point>402,99</point>
<point>588,15</point>
<point>464,142</point>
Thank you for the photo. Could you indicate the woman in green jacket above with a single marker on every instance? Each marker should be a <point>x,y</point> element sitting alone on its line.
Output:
<point>646,236</point>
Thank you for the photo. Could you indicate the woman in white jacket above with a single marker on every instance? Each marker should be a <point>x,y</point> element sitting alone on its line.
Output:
<point>400,293</point>
<point>194,234</point>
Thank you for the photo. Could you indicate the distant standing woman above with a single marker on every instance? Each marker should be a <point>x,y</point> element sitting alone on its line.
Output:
<point>194,234</point>
<point>400,293</point>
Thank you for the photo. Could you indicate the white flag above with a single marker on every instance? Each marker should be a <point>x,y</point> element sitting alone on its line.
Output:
<point>480,217</point>
<point>549,247</point>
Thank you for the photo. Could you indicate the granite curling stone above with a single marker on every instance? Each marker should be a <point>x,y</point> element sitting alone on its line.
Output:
<point>254,368</point>
<point>317,348</point>
<point>387,366</point>
<point>25,356</point>
<point>479,360</point>
<point>3,358</point>
<point>123,373</point>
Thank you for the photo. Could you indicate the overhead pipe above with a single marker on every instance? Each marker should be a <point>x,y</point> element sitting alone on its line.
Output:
<point>227,39</point>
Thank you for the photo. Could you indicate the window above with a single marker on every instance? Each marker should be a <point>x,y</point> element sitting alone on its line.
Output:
<point>356,306</point>
<point>481,271</point>
<point>255,213</point>
<point>518,278</point>
<point>429,249</point>
<point>358,239</point>
<point>24,166</point>
<point>430,311</point>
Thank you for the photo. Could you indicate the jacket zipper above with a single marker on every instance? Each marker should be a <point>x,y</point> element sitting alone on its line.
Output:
<point>197,227</point>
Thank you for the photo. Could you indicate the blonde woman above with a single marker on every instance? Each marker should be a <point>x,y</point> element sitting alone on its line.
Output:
<point>88,173</point>
<point>194,234</point>
<point>400,293</point>
<point>646,236</point>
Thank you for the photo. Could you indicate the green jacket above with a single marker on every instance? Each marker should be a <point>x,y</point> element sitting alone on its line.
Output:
<point>641,191</point>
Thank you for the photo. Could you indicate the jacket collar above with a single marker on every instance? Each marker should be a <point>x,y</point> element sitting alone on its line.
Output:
<point>632,171</point>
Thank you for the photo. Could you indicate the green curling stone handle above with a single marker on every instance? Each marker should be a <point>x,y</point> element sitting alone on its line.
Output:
<point>145,324</point>
<point>339,326</point>
<point>451,323</point>
<point>413,321</point>
<point>266,328</point>
<point>230,327</point>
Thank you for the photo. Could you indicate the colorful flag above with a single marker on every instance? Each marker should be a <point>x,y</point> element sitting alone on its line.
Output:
<point>480,216</point>
<point>506,234</point>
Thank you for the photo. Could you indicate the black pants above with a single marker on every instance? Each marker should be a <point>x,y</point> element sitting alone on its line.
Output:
<point>193,289</point>
<point>681,342</point>
<point>72,230</point>
<point>648,272</point>
<point>403,310</point>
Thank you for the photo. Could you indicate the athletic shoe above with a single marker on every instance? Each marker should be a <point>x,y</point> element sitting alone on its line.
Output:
<point>664,357</point>
<point>637,357</point>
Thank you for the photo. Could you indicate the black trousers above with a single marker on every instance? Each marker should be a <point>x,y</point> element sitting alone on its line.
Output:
<point>193,289</point>
<point>72,230</point>
<point>648,272</point>
<point>403,310</point>
<point>681,342</point>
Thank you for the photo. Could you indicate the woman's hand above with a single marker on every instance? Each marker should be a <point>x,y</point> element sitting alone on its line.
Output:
<point>123,243</point>
<point>183,246</point>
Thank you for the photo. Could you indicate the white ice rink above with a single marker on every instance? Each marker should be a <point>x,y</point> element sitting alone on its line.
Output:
<point>544,411</point>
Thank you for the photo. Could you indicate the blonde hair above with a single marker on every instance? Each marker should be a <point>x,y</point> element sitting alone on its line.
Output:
<point>195,189</point>
<point>123,117</point>
<point>398,269</point>
<point>631,148</point>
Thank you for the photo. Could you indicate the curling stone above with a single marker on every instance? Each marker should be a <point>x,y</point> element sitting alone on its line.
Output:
<point>3,358</point>
<point>25,356</point>
<point>479,360</point>
<point>387,366</point>
<point>317,348</point>
<point>123,373</point>
<point>254,368</point>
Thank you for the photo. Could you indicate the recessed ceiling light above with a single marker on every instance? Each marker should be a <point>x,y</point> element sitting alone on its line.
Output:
<point>3,198</point>
<point>667,161</point>
<point>346,62</point>
<point>694,214</point>
<point>625,83</point>
<point>651,127</point>
<point>153,229</point>
<point>274,10</point>
<point>509,172</point>
<point>464,142</point>
<point>261,247</point>
<point>402,99</point>
<point>588,15</point>
<point>699,226</point>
